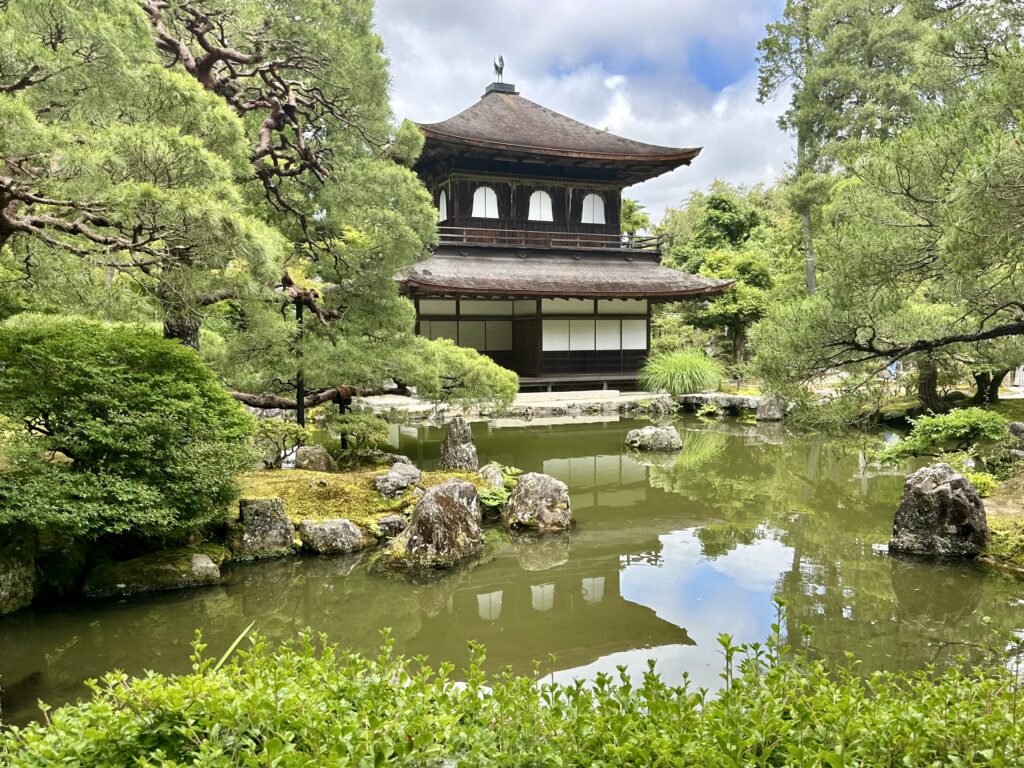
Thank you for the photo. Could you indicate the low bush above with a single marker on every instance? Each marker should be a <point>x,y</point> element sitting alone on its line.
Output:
<point>117,430</point>
<point>960,430</point>
<point>308,704</point>
<point>682,372</point>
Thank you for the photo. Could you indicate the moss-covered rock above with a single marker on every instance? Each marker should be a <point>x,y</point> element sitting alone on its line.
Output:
<point>172,569</point>
<point>444,530</point>
<point>262,530</point>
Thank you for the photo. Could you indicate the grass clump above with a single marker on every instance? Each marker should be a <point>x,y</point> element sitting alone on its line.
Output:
<point>682,372</point>
<point>309,703</point>
<point>325,495</point>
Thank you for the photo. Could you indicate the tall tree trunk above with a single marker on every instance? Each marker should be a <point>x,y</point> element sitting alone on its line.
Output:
<point>987,384</point>
<point>805,213</point>
<point>181,327</point>
<point>928,386</point>
<point>982,380</point>
<point>181,323</point>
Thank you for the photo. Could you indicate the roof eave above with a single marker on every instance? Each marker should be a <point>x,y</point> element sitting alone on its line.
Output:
<point>679,155</point>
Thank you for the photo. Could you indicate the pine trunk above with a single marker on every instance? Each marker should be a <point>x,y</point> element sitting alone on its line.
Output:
<point>928,386</point>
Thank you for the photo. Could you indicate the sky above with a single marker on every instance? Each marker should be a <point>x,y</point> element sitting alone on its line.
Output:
<point>673,72</point>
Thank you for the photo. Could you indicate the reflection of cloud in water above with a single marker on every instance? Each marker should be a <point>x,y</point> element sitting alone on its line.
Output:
<point>755,567</point>
<point>732,594</point>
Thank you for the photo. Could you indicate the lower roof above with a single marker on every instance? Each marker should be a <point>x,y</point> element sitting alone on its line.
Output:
<point>510,274</point>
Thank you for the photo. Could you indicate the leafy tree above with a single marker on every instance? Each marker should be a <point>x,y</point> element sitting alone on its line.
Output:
<point>634,218</point>
<point>118,430</point>
<point>742,235</point>
<point>222,163</point>
<point>924,250</point>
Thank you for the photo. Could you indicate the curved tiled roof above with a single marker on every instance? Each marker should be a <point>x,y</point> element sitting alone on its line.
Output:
<point>505,120</point>
<point>554,276</point>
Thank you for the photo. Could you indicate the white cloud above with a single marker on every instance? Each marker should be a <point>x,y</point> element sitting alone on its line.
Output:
<point>633,68</point>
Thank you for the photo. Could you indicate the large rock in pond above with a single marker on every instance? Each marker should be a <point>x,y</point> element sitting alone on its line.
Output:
<point>457,450</point>
<point>18,545</point>
<point>174,569</point>
<point>654,439</point>
<point>397,480</point>
<point>538,502</point>
<point>263,530</point>
<point>940,514</point>
<point>444,529</point>
<point>314,458</point>
<point>331,537</point>
<point>771,408</point>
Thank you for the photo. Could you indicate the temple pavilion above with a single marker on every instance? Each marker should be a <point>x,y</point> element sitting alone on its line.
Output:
<point>532,268</point>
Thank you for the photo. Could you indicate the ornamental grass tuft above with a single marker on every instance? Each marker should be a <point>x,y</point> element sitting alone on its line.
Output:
<point>682,372</point>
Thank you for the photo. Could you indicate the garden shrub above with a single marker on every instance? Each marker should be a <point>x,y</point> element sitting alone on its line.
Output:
<point>960,429</point>
<point>119,430</point>
<point>308,704</point>
<point>682,372</point>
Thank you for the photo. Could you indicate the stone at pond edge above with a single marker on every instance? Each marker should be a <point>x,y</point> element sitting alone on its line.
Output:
<point>174,569</point>
<point>654,439</point>
<point>331,537</point>
<point>314,458</point>
<point>940,514</point>
<point>538,502</point>
<point>444,529</point>
<point>263,530</point>
<point>18,544</point>
<point>391,526</point>
<point>492,475</point>
<point>771,409</point>
<point>457,450</point>
<point>397,480</point>
<point>1017,430</point>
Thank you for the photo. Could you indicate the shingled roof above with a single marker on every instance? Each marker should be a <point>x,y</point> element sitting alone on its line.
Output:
<point>505,121</point>
<point>556,276</point>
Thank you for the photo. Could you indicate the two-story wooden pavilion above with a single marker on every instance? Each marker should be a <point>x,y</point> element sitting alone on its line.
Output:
<point>532,268</point>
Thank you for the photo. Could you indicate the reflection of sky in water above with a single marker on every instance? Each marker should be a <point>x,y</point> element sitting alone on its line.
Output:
<point>731,594</point>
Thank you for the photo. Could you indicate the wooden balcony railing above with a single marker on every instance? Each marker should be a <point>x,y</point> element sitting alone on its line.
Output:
<point>520,238</point>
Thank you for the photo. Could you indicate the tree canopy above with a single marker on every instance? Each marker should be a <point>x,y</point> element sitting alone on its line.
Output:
<point>217,164</point>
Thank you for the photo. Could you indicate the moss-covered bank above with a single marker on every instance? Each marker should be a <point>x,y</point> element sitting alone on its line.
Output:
<point>1005,512</point>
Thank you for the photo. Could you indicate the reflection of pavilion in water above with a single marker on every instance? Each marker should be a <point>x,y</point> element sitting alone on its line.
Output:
<point>573,608</point>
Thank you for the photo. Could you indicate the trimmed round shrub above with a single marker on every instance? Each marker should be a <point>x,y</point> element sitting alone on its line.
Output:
<point>682,372</point>
<point>115,430</point>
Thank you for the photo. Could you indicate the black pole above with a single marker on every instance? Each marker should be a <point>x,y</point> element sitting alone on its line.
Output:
<point>300,384</point>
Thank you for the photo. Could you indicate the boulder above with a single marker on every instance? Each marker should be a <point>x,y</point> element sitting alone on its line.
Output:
<point>331,537</point>
<point>940,514</point>
<point>18,546</point>
<point>457,450</point>
<point>771,409</point>
<point>391,526</point>
<point>263,530</point>
<point>157,572</point>
<point>397,480</point>
<point>1017,430</point>
<point>314,458</point>
<point>538,502</point>
<point>493,475</point>
<point>444,529</point>
<point>654,439</point>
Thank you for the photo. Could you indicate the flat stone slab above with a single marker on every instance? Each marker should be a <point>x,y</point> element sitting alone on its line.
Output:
<point>157,572</point>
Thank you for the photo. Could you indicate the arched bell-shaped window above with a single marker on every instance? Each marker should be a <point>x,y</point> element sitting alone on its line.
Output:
<point>593,209</point>
<point>485,203</point>
<point>442,206</point>
<point>540,207</point>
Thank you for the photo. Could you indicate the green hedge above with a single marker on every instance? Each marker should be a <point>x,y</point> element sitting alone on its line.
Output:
<point>311,705</point>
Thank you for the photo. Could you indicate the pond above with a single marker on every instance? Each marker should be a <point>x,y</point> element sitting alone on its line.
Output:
<point>663,559</point>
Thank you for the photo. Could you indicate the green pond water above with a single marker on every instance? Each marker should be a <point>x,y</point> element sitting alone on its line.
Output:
<point>663,560</point>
